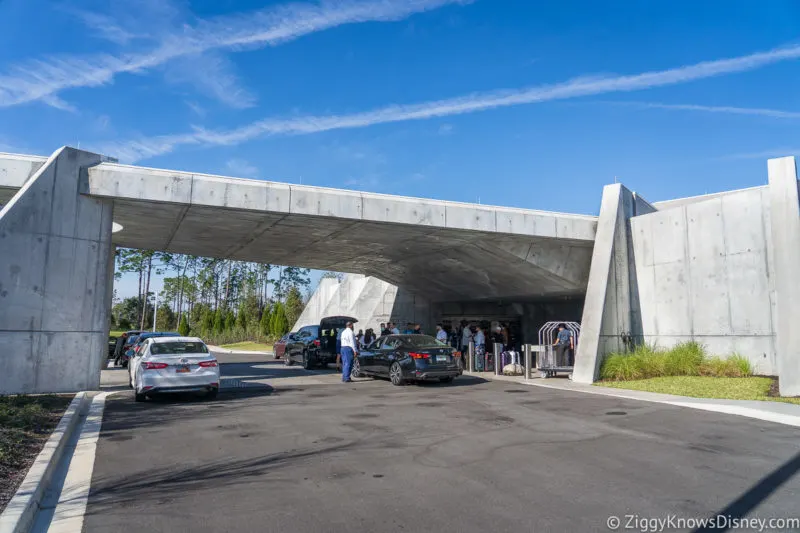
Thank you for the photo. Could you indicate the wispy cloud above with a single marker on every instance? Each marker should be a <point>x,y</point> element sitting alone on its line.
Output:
<point>445,129</point>
<point>764,112</point>
<point>40,79</point>
<point>148,147</point>
<point>213,75</point>
<point>241,168</point>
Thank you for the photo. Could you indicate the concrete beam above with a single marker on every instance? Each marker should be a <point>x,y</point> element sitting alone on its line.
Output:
<point>785,222</point>
<point>15,170</point>
<point>611,307</point>
<point>54,281</point>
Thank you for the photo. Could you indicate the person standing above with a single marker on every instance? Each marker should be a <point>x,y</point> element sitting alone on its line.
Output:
<point>118,348</point>
<point>395,331</point>
<point>441,334</point>
<point>349,351</point>
<point>417,329</point>
<point>564,344</point>
<point>466,337</point>
<point>480,349</point>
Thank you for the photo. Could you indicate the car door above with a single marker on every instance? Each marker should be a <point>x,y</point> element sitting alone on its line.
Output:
<point>366,357</point>
<point>136,361</point>
<point>384,356</point>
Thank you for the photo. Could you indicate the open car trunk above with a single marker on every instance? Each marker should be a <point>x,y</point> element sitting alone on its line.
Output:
<point>329,328</point>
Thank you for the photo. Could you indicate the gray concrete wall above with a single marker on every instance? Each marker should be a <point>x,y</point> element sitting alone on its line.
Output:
<point>611,308</point>
<point>54,281</point>
<point>705,273</point>
<point>785,232</point>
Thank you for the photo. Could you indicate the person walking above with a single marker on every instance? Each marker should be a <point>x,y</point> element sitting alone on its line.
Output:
<point>564,344</point>
<point>349,351</point>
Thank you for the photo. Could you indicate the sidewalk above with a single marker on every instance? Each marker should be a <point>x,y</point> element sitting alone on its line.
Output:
<point>781,413</point>
<point>217,349</point>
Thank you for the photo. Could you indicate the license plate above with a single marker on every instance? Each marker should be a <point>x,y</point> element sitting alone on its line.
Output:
<point>441,358</point>
<point>182,369</point>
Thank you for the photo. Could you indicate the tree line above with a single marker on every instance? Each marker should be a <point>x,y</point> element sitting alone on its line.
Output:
<point>220,300</point>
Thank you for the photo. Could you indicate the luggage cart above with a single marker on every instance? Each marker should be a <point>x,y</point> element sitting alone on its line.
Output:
<point>548,361</point>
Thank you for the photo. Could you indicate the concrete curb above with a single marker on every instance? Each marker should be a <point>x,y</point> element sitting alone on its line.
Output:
<point>20,513</point>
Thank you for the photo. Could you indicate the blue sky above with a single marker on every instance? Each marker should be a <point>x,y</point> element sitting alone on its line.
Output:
<point>509,102</point>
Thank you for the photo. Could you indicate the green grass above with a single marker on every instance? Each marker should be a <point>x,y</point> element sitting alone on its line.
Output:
<point>24,421</point>
<point>114,333</point>
<point>727,388</point>
<point>249,346</point>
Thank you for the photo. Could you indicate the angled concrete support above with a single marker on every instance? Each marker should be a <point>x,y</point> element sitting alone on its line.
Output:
<point>611,309</point>
<point>785,222</point>
<point>54,280</point>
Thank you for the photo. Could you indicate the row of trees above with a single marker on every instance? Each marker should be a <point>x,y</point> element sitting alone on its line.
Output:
<point>219,299</point>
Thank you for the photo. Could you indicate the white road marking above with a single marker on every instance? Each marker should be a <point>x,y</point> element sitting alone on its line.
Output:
<point>71,508</point>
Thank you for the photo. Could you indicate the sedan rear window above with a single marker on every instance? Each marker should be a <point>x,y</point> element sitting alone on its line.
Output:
<point>178,347</point>
<point>421,341</point>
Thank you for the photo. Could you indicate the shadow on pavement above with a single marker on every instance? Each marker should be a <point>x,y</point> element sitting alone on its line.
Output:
<point>759,492</point>
<point>167,483</point>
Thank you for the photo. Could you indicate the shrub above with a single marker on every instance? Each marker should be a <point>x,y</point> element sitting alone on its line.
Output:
<point>684,359</point>
<point>736,366</point>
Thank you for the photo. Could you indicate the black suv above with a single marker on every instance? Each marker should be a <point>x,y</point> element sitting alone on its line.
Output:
<point>316,345</point>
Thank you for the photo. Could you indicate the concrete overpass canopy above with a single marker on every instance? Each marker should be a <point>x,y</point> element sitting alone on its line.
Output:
<point>446,251</point>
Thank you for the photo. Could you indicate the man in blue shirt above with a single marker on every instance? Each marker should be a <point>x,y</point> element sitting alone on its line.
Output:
<point>564,344</point>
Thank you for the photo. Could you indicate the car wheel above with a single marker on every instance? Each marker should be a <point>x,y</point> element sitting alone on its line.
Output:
<point>308,361</point>
<point>396,374</point>
<point>287,360</point>
<point>356,370</point>
<point>446,380</point>
<point>124,364</point>
<point>139,397</point>
<point>212,394</point>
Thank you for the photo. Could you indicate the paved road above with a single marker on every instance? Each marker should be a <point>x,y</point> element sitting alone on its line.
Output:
<point>313,455</point>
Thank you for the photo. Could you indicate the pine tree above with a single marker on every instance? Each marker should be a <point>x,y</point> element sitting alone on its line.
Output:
<point>219,321</point>
<point>278,324</point>
<point>207,326</point>
<point>265,318</point>
<point>230,321</point>
<point>294,306</point>
<point>183,327</point>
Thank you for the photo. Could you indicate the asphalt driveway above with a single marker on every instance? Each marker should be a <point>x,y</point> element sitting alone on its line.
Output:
<point>314,455</point>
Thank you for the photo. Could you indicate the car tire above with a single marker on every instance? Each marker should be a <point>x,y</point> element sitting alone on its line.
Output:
<point>124,364</point>
<point>446,380</point>
<point>139,397</point>
<point>308,361</point>
<point>212,394</point>
<point>287,360</point>
<point>355,372</point>
<point>396,375</point>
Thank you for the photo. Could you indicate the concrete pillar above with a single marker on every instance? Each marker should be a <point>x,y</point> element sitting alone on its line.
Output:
<point>54,280</point>
<point>785,222</point>
<point>611,307</point>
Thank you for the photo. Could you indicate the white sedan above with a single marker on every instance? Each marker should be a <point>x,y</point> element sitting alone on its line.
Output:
<point>173,364</point>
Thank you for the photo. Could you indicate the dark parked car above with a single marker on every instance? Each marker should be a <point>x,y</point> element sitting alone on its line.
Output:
<point>133,343</point>
<point>316,345</point>
<point>404,358</point>
<point>130,337</point>
<point>279,348</point>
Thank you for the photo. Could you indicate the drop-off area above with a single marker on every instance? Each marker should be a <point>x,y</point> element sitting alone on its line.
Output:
<point>309,454</point>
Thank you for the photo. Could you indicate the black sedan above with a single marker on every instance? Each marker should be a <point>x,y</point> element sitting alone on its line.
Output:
<point>404,358</point>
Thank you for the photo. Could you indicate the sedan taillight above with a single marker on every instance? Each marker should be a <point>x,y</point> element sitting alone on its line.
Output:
<point>208,364</point>
<point>415,355</point>
<point>155,366</point>
<point>317,343</point>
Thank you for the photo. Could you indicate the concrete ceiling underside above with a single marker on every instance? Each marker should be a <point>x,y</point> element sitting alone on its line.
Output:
<point>441,264</point>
